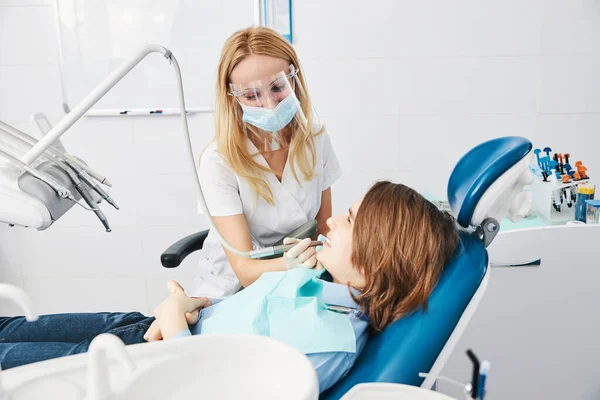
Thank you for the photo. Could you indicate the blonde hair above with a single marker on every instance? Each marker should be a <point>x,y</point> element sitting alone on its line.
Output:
<point>229,133</point>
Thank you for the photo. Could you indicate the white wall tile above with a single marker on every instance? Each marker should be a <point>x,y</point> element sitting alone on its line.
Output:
<point>390,28</point>
<point>202,131</point>
<point>11,245</point>
<point>167,200</point>
<point>576,134</point>
<point>105,143</point>
<point>432,145</point>
<point>347,29</point>
<point>497,85</point>
<point>472,27</point>
<point>570,84</point>
<point>7,307</point>
<point>80,252</point>
<point>570,27</point>
<point>468,85</point>
<point>66,295</point>
<point>160,146</point>
<point>366,143</point>
<point>22,3</point>
<point>353,86</point>
<point>35,32</point>
<point>156,292</point>
<point>10,271</point>
<point>27,90</point>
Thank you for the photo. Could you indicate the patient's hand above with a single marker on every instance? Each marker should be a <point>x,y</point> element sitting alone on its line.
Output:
<point>177,302</point>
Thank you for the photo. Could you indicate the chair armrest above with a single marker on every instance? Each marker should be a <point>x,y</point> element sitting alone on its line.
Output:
<point>178,251</point>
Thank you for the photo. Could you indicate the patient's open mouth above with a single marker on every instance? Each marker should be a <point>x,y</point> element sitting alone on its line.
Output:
<point>325,240</point>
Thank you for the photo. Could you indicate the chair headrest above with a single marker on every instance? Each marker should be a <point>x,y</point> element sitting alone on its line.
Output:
<point>483,167</point>
<point>412,344</point>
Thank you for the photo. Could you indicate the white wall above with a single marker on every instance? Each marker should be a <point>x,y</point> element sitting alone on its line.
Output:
<point>405,87</point>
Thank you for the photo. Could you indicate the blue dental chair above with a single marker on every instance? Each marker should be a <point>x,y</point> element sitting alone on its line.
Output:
<point>485,186</point>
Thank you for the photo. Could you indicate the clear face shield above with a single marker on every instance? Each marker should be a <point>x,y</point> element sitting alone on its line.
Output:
<point>269,110</point>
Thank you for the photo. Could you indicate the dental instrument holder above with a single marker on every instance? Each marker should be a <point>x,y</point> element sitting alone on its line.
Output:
<point>56,205</point>
<point>547,195</point>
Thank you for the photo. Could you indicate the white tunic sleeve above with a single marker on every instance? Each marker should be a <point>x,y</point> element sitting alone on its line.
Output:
<point>219,184</point>
<point>331,165</point>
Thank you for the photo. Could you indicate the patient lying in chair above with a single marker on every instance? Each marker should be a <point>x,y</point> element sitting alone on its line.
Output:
<point>380,261</point>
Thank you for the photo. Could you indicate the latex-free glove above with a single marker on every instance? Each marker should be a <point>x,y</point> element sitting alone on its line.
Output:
<point>301,255</point>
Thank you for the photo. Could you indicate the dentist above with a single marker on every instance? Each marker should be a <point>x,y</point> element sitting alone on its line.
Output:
<point>270,166</point>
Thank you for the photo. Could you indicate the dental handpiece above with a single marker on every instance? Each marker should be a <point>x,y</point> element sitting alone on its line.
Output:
<point>279,249</point>
<point>89,180</point>
<point>56,149</point>
<point>96,175</point>
<point>86,196</point>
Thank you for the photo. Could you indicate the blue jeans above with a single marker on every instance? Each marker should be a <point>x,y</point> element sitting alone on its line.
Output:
<point>60,335</point>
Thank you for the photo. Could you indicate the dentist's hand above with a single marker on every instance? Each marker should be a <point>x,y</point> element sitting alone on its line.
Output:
<point>301,255</point>
<point>177,302</point>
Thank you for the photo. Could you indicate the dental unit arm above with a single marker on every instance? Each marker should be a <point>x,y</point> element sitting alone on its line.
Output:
<point>27,210</point>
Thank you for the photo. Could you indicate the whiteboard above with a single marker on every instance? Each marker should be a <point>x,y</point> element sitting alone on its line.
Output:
<point>97,35</point>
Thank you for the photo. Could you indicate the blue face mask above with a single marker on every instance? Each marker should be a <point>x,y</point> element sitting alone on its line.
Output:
<point>272,119</point>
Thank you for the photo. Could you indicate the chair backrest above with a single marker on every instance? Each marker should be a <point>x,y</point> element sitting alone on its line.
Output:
<point>412,344</point>
<point>423,341</point>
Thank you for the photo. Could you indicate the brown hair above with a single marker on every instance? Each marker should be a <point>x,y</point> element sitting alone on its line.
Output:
<point>229,135</point>
<point>401,242</point>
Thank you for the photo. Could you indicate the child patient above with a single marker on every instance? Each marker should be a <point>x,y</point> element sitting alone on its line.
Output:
<point>380,261</point>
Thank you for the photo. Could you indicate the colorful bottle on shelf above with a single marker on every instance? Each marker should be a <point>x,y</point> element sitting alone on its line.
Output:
<point>584,192</point>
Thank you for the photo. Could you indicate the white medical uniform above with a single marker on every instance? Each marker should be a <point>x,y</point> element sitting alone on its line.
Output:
<point>226,194</point>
